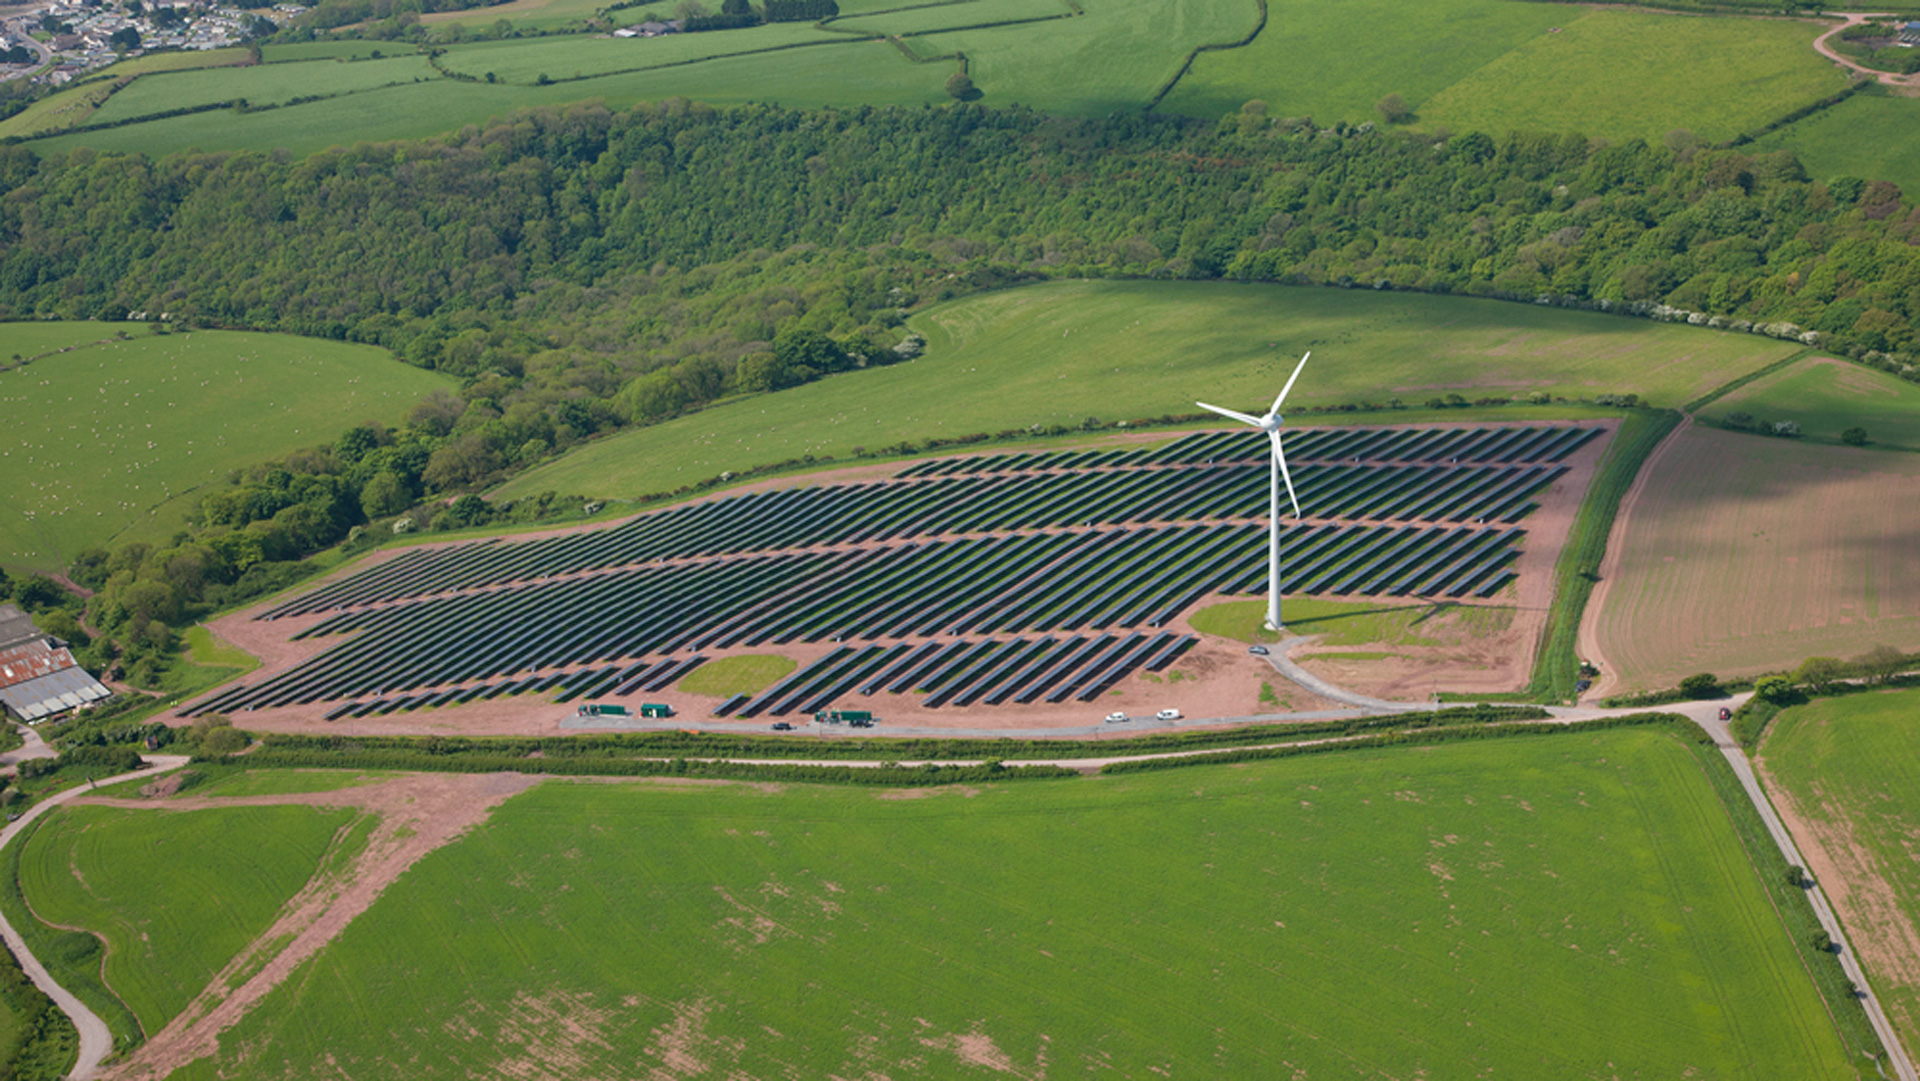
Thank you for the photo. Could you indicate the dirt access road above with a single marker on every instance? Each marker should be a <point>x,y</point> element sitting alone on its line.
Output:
<point>1910,83</point>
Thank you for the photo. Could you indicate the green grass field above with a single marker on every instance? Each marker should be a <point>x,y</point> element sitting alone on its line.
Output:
<point>266,84</point>
<point>1334,61</point>
<point>1829,142</point>
<point>1058,353</point>
<point>1511,908</point>
<point>524,61</point>
<point>1621,75</point>
<point>1826,397</point>
<point>541,14</point>
<point>56,112</point>
<point>746,674</point>
<point>345,49</point>
<point>1851,766</point>
<point>112,441</point>
<point>840,74</point>
<point>176,61</point>
<point>176,895</point>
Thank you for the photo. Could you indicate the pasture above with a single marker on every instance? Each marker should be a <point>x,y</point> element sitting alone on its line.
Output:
<point>1622,75</point>
<point>843,73</point>
<point>1333,62</point>
<point>1505,65</point>
<point>264,84</point>
<point>1512,907</point>
<point>1828,396</point>
<point>176,895</point>
<point>1845,771</point>
<point>1061,352</point>
<point>1829,143</point>
<point>1741,554</point>
<point>115,439</point>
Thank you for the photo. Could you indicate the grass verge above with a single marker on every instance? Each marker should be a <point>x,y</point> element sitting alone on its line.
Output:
<point>1557,666</point>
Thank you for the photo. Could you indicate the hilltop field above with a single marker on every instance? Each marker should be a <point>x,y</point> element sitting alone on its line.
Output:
<point>1509,904</point>
<point>112,438</point>
<point>1493,65</point>
<point>1059,353</point>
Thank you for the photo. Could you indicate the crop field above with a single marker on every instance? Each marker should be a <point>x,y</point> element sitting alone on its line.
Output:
<point>1512,907</point>
<point>114,439</point>
<point>1622,75</point>
<point>175,894</point>
<point>265,84</point>
<point>1845,771</point>
<point>1743,554</point>
<point>1091,553</point>
<point>1826,397</point>
<point>1829,143</point>
<point>1058,353</point>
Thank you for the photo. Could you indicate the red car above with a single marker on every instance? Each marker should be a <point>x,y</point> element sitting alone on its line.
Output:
<point>1726,714</point>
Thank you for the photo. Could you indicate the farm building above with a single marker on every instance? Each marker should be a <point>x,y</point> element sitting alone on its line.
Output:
<point>1910,33</point>
<point>38,676</point>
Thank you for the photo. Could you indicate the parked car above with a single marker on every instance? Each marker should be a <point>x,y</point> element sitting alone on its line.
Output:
<point>1258,651</point>
<point>782,726</point>
<point>1726,714</point>
<point>1116,718</point>
<point>1167,715</point>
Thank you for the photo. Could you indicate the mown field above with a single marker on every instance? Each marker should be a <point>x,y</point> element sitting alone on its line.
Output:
<point>175,894</point>
<point>1503,908</point>
<point>1848,768</point>
<point>1829,143</point>
<point>1059,353</point>
<point>1744,554</point>
<point>1827,397</point>
<point>114,439</point>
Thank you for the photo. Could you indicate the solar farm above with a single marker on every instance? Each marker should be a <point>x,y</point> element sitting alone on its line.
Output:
<point>985,584</point>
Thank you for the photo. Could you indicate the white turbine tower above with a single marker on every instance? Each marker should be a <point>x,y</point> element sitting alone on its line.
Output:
<point>1277,470</point>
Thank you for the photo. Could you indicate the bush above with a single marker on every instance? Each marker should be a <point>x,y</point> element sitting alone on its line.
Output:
<point>1704,685</point>
<point>1854,437</point>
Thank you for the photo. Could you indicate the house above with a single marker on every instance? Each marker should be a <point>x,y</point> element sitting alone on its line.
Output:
<point>655,29</point>
<point>38,676</point>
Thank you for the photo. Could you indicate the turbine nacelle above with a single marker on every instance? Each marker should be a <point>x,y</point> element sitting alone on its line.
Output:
<point>1270,422</point>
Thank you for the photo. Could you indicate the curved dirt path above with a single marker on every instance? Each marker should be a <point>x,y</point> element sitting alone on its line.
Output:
<point>96,1040</point>
<point>1855,18</point>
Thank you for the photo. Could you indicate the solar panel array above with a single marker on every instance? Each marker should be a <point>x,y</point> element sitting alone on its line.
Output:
<point>997,571</point>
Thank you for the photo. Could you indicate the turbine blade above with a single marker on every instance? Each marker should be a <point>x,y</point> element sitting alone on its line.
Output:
<point>1284,391</point>
<point>1280,458</point>
<point>1241,417</point>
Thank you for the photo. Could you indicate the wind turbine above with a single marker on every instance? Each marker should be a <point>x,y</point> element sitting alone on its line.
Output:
<point>1277,472</point>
